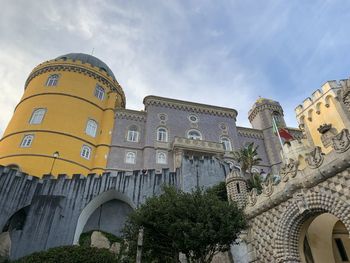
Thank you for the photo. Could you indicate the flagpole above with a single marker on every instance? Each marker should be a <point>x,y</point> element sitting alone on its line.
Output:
<point>274,124</point>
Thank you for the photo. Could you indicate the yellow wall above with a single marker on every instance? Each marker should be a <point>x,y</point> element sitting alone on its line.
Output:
<point>328,115</point>
<point>69,106</point>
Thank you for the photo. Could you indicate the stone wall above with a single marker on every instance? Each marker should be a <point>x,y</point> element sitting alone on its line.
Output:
<point>43,213</point>
<point>277,215</point>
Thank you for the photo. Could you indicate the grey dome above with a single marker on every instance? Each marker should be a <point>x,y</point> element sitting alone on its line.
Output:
<point>85,58</point>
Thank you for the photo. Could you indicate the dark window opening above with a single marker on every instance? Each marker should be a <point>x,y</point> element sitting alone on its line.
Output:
<point>341,249</point>
<point>238,188</point>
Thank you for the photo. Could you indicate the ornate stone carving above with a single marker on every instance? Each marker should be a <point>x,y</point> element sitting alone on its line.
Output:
<point>250,133</point>
<point>341,141</point>
<point>315,158</point>
<point>327,133</point>
<point>252,197</point>
<point>267,186</point>
<point>301,203</point>
<point>289,170</point>
<point>189,106</point>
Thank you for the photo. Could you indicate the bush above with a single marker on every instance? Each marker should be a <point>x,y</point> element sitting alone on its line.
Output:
<point>71,254</point>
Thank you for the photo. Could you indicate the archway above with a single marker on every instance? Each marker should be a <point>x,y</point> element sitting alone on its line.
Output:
<point>15,223</point>
<point>96,203</point>
<point>324,238</point>
<point>298,216</point>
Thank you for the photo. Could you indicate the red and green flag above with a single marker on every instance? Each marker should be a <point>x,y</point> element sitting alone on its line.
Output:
<point>282,132</point>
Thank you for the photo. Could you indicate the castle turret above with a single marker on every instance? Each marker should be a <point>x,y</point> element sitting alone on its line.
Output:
<point>325,113</point>
<point>262,115</point>
<point>64,121</point>
<point>236,187</point>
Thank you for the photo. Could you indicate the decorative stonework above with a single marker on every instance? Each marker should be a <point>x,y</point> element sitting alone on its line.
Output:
<point>189,106</point>
<point>341,141</point>
<point>315,158</point>
<point>112,85</point>
<point>267,186</point>
<point>289,170</point>
<point>271,106</point>
<point>250,133</point>
<point>252,197</point>
<point>131,115</point>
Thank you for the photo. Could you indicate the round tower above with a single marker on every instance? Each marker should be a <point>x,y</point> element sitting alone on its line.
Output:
<point>236,187</point>
<point>264,115</point>
<point>64,120</point>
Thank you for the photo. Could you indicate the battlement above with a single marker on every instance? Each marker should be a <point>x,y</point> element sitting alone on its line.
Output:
<point>319,168</point>
<point>319,96</point>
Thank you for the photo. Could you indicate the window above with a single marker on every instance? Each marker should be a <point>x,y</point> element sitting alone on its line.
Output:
<point>194,135</point>
<point>27,141</point>
<point>130,157</point>
<point>227,144</point>
<point>99,92</point>
<point>52,80</point>
<point>37,116</point>
<point>161,158</point>
<point>193,118</point>
<point>91,128</point>
<point>85,152</point>
<point>162,135</point>
<point>133,134</point>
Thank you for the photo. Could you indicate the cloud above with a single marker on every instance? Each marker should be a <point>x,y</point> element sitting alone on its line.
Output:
<point>224,53</point>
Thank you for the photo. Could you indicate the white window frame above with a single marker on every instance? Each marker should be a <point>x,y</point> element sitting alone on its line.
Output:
<point>37,116</point>
<point>27,141</point>
<point>52,80</point>
<point>91,128</point>
<point>133,134</point>
<point>162,160</point>
<point>199,137</point>
<point>99,92</point>
<point>162,134</point>
<point>226,142</point>
<point>130,157</point>
<point>85,152</point>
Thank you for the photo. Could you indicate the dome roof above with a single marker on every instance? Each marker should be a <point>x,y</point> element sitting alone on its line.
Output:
<point>85,58</point>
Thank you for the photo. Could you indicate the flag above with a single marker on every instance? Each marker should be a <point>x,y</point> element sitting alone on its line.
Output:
<point>285,134</point>
<point>282,132</point>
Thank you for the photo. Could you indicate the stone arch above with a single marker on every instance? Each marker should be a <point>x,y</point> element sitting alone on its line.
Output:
<point>93,205</point>
<point>302,208</point>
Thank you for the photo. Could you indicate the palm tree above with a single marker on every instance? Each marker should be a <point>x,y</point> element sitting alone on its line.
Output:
<point>247,157</point>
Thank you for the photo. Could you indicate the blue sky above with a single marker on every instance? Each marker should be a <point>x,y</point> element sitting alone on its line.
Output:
<point>225,53</point>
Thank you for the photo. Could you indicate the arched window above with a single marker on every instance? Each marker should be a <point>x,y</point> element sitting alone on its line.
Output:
<point>161,158</point>
<point>130,157</point>
<point>194,135</point>
<point>85,152</point>
<point>133,134</point>
<point>227,144</point>
<point>99,92</point>
<point>52,80</point>
<point>91,128</point>
<point>162,135</point>
<point>276,116</point>
<point>27,141</point>
<point>37,116</point>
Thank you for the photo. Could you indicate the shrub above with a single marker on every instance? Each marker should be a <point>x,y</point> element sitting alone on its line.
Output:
<point>71,254</point>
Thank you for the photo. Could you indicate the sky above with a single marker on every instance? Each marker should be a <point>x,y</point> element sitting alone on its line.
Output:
<point>224,53</point>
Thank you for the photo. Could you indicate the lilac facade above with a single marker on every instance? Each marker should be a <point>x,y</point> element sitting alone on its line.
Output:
<point>137,144</point>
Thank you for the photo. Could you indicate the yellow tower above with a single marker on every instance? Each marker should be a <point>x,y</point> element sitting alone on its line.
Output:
<point>64,121</point>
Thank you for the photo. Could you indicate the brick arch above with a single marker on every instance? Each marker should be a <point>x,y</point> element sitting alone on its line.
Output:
<point>286,247</point>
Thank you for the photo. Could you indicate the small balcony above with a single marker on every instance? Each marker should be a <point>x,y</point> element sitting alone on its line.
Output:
<point>181,143</point>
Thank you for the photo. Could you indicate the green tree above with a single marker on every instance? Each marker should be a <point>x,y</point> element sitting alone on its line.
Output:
<point>247,157</point>
<point>197,224</point>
